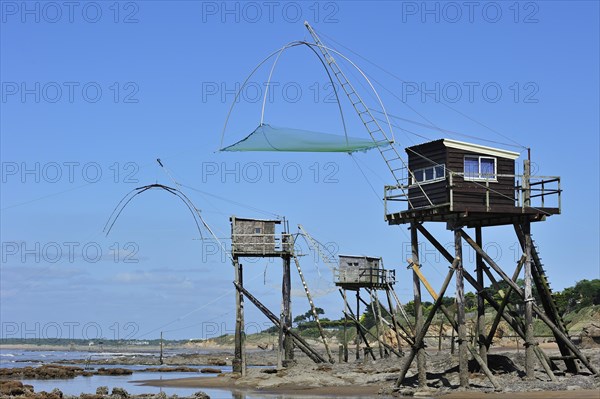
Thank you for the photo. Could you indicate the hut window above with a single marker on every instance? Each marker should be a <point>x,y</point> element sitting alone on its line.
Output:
<point>480,168</point>
<point>419,175</point>
<point>429,174</point>
<point>257,230</point>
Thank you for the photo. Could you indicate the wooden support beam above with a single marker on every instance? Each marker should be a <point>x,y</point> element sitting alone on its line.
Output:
<point>239,359</point>
<point>379,305</point>
<point>547,300</point>
<point>454,326</point>
<point>403,333</point>
<point>421,359</point>
<point>557,332</point>
<point>463,355</point>
<point>481,336</point>
<point>286,290</point>
<point>299,341</point>
<point>395,324</point>
<point>359,330</point>
<point>378,325</point>
<point>528,292</point>
<point>365,331</point>
<point>481,291</point>
<point>313,308</point>
<point>380,318</point>
<point>402,311</point>
<point>547,364</point>
<point>503,304</point>
<point>516,324</point>
<point>423,331</point>
<point>345,328</point>
<point>416,268</point>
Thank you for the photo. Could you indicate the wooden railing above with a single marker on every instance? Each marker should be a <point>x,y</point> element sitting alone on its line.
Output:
<point>369,275</point>
<point>542,192</point>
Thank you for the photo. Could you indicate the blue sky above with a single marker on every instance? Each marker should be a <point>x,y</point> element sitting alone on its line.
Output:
<point>94,92</point>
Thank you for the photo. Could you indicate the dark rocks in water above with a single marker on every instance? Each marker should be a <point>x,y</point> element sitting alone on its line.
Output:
<point>46,395</point>
<point>120,392</point>
<point>14,388</point>
<point>209,370</point>
<point>113,371</point>
<point>201,395</point>
<point>213,361</point>
<point>103,390</point>
<point>45,372</point>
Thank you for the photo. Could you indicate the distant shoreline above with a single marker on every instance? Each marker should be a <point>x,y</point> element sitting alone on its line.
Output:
<point>110,348</point>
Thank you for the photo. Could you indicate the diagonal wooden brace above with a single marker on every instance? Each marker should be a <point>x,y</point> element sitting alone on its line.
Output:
<point>557,332</point>
<point>421,334</point>
<point>509,319</point>
<point>454,325</point>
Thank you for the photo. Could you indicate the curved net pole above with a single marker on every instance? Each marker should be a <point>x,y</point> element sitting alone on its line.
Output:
<point>262,112</point>
<point>242,87</point>
<point>310,45</point>
<point>120,206</point>
<point>198,219</point>
<point>366,78</point>
<point>294,44</point>
<point>129,197</point>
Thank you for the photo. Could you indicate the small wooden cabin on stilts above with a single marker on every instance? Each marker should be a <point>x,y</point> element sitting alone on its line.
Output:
<point>260,238</point>
<point>356,273</point>
<point>470,186</point>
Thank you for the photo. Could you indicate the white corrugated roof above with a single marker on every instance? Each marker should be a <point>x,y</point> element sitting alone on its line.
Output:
<point>481,149</point>
<point>358,256</point>
<point>277,221</point>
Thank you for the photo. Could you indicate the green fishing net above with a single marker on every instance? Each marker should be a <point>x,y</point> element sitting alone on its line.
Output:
<point>269,138</point>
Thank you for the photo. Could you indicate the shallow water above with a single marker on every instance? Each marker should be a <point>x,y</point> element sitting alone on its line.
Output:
<point>78,385</point>
<point>75,386</point>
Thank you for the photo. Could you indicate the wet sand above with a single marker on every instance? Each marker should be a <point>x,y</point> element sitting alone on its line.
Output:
<point>579,394</point>
<point>289,389</point>
<point>223,382</point>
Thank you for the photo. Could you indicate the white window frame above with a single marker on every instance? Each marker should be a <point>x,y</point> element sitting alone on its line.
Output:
<point>479,177</point>
<point>435,177</point>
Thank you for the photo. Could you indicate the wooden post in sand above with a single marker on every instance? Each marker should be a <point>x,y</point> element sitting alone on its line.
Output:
<point>161,348</point>
<point>529,334</point>
<point>345,333</point>
<point>463,351</point>
<point>357,326</point>
<point>286,290</point>
<point>481,335</point>
<point>239,360</point>
<point>421,361</point>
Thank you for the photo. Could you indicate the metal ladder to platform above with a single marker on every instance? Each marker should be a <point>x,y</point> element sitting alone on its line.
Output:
<point>313,309</point>
<point>542,285</point>
<point>390,154</point>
